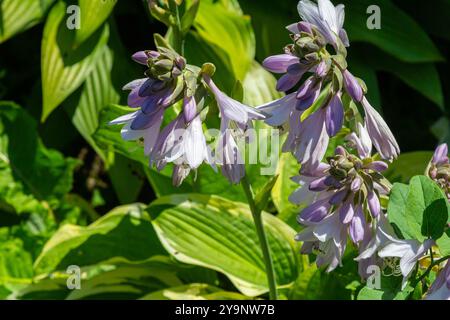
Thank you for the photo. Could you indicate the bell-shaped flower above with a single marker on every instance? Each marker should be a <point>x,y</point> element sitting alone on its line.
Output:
<point>327,239</point>
<point>440,289</point>
<point>148,127</point>
<point>327,18</point>
<point>409,252</point>
<point>379,132</point>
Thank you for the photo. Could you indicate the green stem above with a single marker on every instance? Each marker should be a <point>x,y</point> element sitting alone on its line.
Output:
<point>257,218</point>
<point>430,267</point>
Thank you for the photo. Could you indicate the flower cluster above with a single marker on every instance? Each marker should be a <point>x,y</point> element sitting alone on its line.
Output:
<point>169,81</point>
<point>345,193</point>
<point>315,111</point>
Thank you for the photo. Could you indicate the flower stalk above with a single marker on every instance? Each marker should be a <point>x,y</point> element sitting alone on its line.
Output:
<point>263,242</point>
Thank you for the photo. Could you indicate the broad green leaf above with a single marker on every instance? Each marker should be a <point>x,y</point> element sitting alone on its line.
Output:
<point>17,16</point>
<point>426,209</point>
<point>93,14</point>
<point>98,91</point>
<point>444,243</point>
<point>124,232</point>
<point>408,165</point>
<point>422,77</point>
<point>399,35</point>
<point>230,34</point>
<point>112,279</point>
<point>194,291</point>
<point>215,233</point>
<point>367,293</point>
<point>31,174</point>
<point>63,68</point>
<point>16,265</point>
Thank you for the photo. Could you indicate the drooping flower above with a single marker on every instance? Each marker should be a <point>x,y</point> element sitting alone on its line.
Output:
<point>235,119</point>
<point>327,18</point>
<point>409,252</point>
<point>379,133</point>
<point>440,289</point>
<point>439,169</point>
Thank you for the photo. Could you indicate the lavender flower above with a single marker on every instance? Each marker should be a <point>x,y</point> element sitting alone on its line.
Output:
<point>237,115</point>
<point>409,252</point>
<point>439,169</point>
<point>327,18</point>
<point>440,289</point>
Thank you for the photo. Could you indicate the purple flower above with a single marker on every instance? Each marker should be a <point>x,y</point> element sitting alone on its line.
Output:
<point>352,86</point>
<point>280,62</point>
<point>409,252</point>
<point>326,238</point>
<point>227,152</point>
<point>439,169</point>
<point>379,133</point>
<point>149,130</point>
<point>440,289</point>
<point>334,116</point>
<point>328,19</point>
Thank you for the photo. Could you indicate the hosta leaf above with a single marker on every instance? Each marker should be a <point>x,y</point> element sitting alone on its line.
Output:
<point>30,173</point>
<point>124,232</point>
<point>230,34</point>
<point>215,233</point>
<point>194,291</point>
<point>93,14</point>
<point>112,279</point>
<point>16,265</point>
<point>422,212</point>
<point>17,16</point>
<point>63,68</point>
<point>399,35</point>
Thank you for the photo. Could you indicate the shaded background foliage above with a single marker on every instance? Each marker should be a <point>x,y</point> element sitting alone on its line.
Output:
<point>404,65</point>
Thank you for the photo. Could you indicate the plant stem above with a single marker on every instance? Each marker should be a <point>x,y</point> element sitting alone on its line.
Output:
<point>257,218</point>
<point>430,267</point>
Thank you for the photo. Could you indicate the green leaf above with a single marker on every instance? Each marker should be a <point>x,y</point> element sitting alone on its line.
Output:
<point>262,197</point>
<point>17,16</point>
<point>444,243</point>
<point>408,165</point>
<point>422,77</point>
<point>399,35</point>
<point>30,173</point>
<point>63,68</point>
<point>113,279</point>
<point>16,266</point>
<point>215,233</point>
<point>124,232</point>
<point>194,291</point>
<point>367,293</point>
<point>230,35</point>
<point>93,14</point>
<point>423,213</point>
